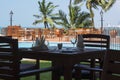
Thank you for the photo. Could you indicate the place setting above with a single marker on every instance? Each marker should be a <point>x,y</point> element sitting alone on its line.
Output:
<point>77,46</point>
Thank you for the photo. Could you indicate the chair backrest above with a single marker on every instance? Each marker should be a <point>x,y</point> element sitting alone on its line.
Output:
<point>9,59</point>
<point>96,40</point>
<point>111,65</point>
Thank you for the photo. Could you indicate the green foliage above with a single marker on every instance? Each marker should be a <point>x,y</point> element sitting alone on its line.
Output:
<point>90,4</point>
<point>75,19</point>
<point>107,4</point>
<point>46,14</point>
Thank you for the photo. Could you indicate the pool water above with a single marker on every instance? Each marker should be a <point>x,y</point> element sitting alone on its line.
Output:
<point>29,44</point>
<point>65,44</point>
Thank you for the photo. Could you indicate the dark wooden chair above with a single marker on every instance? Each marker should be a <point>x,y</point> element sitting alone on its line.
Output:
<point>11,67</point>
<point>111,65</point>
<point>88,71</point>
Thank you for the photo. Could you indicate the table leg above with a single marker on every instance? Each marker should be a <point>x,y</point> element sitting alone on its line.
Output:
<point>68,71</point>
<point>55,73</point>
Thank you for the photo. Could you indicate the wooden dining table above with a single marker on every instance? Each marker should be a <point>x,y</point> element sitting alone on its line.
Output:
<point>65,58</point>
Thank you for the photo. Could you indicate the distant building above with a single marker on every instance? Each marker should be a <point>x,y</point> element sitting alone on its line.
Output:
<point>13,31</point>
<point>23,33</point>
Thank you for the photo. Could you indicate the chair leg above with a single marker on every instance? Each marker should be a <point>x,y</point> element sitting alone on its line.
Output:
<point>14,78</point>
<point>38,66</point>
<point>78,74</point>
<point>100,75</point>
<point>37,77</point>
<point>101,66</point>
<point>92,75</point>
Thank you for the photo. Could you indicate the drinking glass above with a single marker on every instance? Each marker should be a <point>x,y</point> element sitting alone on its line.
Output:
<point>73,41</point>
<point>59,45</point>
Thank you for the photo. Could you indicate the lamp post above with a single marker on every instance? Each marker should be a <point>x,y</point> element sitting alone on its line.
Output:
<point>11,14</point>
<point>101,14</point>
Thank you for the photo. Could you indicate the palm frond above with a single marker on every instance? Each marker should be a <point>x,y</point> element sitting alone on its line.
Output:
<point>109,4</point>
<point>78,1</point>
<point>37,21</point>
<point>84,18</point>
<point>49,8</point>
<point>37,16</point>
<point>63,17</point>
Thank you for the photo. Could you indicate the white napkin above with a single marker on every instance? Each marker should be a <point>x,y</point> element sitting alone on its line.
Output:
<point>39,45</point>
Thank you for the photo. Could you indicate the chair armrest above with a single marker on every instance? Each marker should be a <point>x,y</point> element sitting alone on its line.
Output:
<point>85,67</point>
<point>35,71</point>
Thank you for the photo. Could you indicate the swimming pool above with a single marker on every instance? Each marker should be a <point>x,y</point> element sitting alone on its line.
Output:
<point>65,44</point>
<point>29,44</point>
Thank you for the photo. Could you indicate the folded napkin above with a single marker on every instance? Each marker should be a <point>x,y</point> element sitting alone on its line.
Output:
<point>40,44</point>
<point>38,48</point>
<point>80,44</point>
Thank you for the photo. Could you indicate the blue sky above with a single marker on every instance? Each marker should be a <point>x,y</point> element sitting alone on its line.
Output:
<point>25,9</point>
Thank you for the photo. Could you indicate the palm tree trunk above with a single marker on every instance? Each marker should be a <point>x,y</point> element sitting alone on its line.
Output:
<point>93,26</point>
<point>92,16</point>
<point>46,25</point>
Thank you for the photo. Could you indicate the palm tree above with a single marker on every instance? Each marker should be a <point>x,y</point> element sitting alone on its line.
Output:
<point>46,14</point>
<point>90,4</point>
<point>75,19</point>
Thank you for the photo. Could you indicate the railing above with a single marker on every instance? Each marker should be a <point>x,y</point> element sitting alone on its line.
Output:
<point>114,33</point>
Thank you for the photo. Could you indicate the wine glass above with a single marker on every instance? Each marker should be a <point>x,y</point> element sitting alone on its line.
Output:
<point>47,43</point>
<point>73,41</point>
